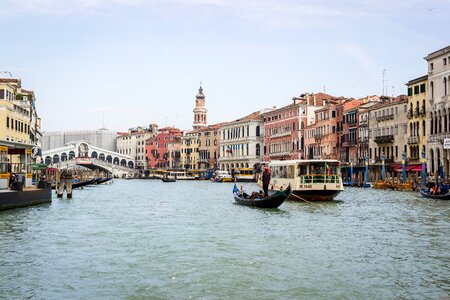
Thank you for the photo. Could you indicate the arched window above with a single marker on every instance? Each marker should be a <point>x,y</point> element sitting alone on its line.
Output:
<point>130,164</point>
<point>109,159</point>
<point>258,149</point>
<point>48,160</point>
<point>116,160</point>
<point>71,154</point>
<point>432,89</point>
<point>101,156</point>
<point>55,158</point>
<point>445,86</point>
<point>63,156</point>
<point>424,132</point>
<point>257,131</point>
<point>94,154</point>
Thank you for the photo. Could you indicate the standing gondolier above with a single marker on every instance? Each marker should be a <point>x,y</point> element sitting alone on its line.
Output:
<point>266,181</point>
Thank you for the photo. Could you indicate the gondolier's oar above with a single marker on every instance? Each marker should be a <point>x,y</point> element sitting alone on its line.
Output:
<point>281,188</point>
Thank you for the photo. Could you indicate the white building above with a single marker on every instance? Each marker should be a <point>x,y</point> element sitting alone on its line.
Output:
<point>132,143</point>
<point>102,138</point>
<point>439,112</point>
<point>241,143</point>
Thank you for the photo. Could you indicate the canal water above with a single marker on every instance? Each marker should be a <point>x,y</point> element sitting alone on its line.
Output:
<point>145,239</point>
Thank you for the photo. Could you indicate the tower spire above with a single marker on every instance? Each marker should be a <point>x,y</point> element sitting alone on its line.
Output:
<point>200,111</point>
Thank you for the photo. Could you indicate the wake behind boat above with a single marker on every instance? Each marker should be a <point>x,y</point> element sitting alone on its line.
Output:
<point>272,201</point>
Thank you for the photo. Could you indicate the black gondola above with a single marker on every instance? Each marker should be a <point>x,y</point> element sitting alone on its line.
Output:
<point>166,179</point>
<point>80,183</point>
<point>103,180</point>
<point>272,201</point>
<point>437,197</point>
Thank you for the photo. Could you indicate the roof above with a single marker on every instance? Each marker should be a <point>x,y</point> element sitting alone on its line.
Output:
<point>418,79</point>
<point>437,53</point>
<point>395,101</point>
<point>253,116</point>
<point>7,80</point>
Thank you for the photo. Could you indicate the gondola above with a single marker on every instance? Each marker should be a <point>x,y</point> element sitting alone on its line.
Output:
<point>165,179</point>
<point>272,201</point>
<point>103,180</point>
<point>80,183</point>
<point>437,197</point>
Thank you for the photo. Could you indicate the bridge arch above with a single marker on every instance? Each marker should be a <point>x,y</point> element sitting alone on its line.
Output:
<point>102,156</point>
<point>71,155</point>
<point>55,158</point>
<point>109,159</point>
<point>123,162</point>
<point>116,160</point>
<point>48,160</point>
<point>94,154</point>
<point>63,156</point>
<point>130,164</point>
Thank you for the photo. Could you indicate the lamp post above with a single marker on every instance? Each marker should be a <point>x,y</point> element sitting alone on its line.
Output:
<point>403,167</point>
<point>351,172</point>
<point>424,173</point>
<point>367,171</point>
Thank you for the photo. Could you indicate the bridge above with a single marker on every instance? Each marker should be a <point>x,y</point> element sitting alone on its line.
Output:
<point>84,154</point>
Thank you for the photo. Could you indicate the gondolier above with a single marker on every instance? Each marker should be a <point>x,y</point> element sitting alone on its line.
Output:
<point>266,181</point>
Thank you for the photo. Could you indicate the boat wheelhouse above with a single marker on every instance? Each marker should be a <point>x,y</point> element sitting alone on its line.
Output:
<point>310,180</point>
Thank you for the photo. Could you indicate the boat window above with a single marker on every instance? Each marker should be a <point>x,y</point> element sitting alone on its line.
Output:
<point>302,170</point>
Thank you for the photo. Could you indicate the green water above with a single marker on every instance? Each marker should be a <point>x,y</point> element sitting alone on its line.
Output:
<point>153,240</point>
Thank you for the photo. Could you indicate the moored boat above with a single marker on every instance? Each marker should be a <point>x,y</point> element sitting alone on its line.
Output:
<point>272,201</point>
<point>310,180</point>
<point>166,179</point>
<point>426,194</point>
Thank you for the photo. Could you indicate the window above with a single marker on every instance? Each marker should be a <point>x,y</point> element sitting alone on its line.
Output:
<point>416,90</point>
<point>7,122</point>
<point>422,88</point>
<point>409,91</point>
<point>431,66</point>
<point>445,61</point>
<point>2,94</point>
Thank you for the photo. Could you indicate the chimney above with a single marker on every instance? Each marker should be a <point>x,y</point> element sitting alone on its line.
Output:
<point>314,97</point>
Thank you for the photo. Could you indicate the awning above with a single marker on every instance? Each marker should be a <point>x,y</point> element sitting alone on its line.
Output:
<point>408,168</point>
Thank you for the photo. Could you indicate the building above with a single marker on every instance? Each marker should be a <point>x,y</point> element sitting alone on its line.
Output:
<point>439,112</point>
<point>349,131</point>
<point>417,120</point>
<point>241,143</point>
<point>388,130</point>
<point>174,153</point>
<point>19,121</point>
<point>157,150</point>
<point>102,138</point>
<point>189,152</point>
<point>132,143</point>
<point>209,146</point>
<point>363,132</point>
<point>324,145</point>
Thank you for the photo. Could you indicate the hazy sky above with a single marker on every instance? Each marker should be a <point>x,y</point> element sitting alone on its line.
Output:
<point>136,62</point>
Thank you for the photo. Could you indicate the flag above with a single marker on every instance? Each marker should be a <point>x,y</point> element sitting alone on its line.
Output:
<point>229,150</point>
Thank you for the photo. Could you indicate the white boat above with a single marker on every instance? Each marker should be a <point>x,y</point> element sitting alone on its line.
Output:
<point>182,175</point>
<point>310,180</point>
<point>222,176</point>
<point>244,175</point>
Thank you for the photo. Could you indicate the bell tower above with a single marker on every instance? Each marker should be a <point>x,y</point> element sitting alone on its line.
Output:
<point>200,111</point>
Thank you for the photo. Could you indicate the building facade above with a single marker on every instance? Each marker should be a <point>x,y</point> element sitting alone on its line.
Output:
<point>417,121</point>
<point>132,143</point>
<point>189,152</point>
<point>157,150</point>
<point>241,143</point>
<point>439,112</point>
<point>209,146</point>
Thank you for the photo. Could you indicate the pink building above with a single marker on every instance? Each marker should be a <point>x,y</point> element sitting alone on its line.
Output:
<point>157,148</point>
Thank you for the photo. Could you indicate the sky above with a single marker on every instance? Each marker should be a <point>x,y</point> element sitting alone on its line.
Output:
<point>127,63</point>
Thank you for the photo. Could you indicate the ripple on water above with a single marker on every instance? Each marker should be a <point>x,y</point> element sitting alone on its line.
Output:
<point>147,239</point>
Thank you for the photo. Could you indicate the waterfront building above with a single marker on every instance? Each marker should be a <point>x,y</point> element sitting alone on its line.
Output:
<point>133,143</point>
<point>189,153</point>
<point>439,112</point>
<point>102,138</point>
<point>388,131</point>
<point>19,121</point>
<point>209,146</point>
<point>417,110</point>
<point>349,131</point>
<point>241,143</point>
<point>200,111</point>
<point>157,147</point>
<point>363,131</point>
<point>325,138</point>
<point>174,153</point>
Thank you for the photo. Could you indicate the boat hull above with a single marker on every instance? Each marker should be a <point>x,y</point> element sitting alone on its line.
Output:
<point>436,197</point>
<point>313,195</point>
<point>272,201</point>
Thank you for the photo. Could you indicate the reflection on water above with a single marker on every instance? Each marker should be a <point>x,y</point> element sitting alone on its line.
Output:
<point>148,239</point>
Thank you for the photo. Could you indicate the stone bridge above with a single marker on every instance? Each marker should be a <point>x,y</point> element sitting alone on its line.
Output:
<point>83,154</point>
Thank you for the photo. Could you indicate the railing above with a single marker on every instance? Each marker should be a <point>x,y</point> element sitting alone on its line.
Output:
<point>387,160</point>
<point>439,137</point>
<point>422,111</point>
<point>413,140</point>
<point>384,139</point>
<point>281,134</point>
<point>386,117</point>
<point>416,112</point>
<point>410,114</point>
<point>319,178</point>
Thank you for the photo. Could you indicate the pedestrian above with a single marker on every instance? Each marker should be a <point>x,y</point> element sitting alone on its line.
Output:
<point>266,181</point>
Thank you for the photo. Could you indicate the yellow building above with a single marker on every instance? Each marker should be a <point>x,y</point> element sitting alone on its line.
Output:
<point>189,150</point>
<point>20,134</point>
<point>417,121</point>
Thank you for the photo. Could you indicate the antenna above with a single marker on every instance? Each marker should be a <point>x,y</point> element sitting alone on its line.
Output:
<point>103,120</point>
<point>324,89</point>
<point>7,72</point>
<point>384,73</point>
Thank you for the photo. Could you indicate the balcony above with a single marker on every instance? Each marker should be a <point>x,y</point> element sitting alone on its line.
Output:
<point>353,124</point>
<point>363,140</point>
<point>409,115</point>
<point>387,160</point>
<point>439,137</point>
<point>422,111</point>
<point>363,123</point>
<point>318,136</point>
<point>384,139</point>
<point>413,140</point>
<point>286,133</point>
<point>386,117</point>
<point>416,112</point>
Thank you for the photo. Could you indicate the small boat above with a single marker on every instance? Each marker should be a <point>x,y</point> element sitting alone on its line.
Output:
<point>166,179</point>
<point>425,194</point>
<point>79,184</point>
<point>104,180</point>
<point>272,201</point>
